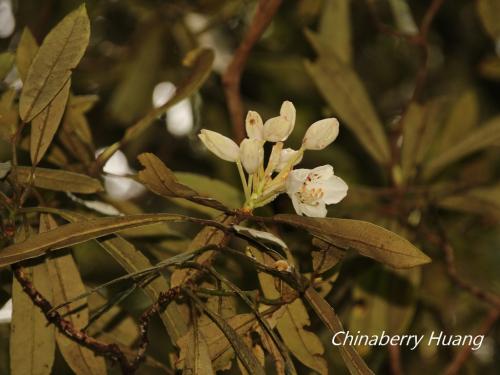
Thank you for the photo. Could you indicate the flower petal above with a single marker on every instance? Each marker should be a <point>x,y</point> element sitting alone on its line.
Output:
<point>295,180</point>
<point>335,190</point>
<point>318,210</point>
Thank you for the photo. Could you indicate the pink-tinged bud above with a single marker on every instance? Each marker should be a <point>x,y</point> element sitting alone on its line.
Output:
<point>277,129</point>
<point>254,126</point>
<point>222,146</point>
<point>251,154</point>
<point>321,134</point>
<point>288,111</point>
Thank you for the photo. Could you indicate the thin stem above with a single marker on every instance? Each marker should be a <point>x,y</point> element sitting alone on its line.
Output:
<point>243,180</point>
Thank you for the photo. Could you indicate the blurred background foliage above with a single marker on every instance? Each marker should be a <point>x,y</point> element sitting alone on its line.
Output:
<point>330,57</point>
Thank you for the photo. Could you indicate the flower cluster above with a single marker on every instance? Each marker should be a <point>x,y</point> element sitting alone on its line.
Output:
<point>309,189</point>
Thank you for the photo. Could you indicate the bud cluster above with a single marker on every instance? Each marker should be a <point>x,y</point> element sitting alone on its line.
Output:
<point>309,190</point>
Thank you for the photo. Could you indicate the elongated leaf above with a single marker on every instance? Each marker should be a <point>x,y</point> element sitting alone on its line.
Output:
<point>25,53</point>
<point>464,116</point>
<point>162,181</point>
<point>488,13</point>
<point>404,18</point>
<point>344,92</point>
<point>32,339</point>
<point>66,283</point>
<point>132,260</point>
<point>485,136</point>
<point>59,180</point>
<point>243,352</point>
<point>44,125</point>
<point>353,361</point>
<point>197,358</point>
<point>480,201</point>
<point>335,28</point>
<point>367,239</point>
<point>6,62</point>
<point>51,68</point>
<point>75,233</point>
<point>304,345</point>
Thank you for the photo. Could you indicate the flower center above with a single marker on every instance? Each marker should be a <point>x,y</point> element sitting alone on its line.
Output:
<point>310,196</point>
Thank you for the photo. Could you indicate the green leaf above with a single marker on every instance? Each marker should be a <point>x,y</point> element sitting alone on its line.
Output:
<point>59,180</point>
<point>366,238</point>
<point>488,13</point>
<point>464,116</point>
<point>344,92</point>
<point>162,181</point>
<point>44,125</point>
<point>335,28</point>
<point>52,65</point>
<point>482,137</point>
<point>67,283</point>
<point>25,53</point>
<point>32,338</point>
<point>75,233</point>
<point>353,361</point>
<point>6,62</point>
<point>483,201</point>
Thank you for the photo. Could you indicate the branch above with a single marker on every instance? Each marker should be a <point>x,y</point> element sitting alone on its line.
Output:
<point>110,351</point>
<point>266,9</point>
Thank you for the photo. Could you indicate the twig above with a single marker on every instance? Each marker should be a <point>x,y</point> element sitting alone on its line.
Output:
<point>110,351</point>
<point>231,78</point>
<point>464,353</point>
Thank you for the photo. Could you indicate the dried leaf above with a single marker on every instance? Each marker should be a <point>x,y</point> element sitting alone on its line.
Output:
<point>353,361</point>
<point>67,283</point>
<point>162,181</point>
<point>6,62</point>
<point>51,68</point>
<point>59,180</point>
<point>195,353</point>
<point>8,115</point>
<point>44,125</point>
<point>327,257</point>
<point>404,18</point>
<point>480,201</point>
<point>343,90</point>
<point>366,238</point>
<point>25,53</point>
<point>5,169</point>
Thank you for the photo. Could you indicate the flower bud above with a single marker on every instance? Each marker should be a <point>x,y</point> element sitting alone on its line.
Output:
<point>251,154</point>
<point>274,158</point>
<point>220,145</point>
<point>277,129</point>
<point>254,126</point>
<point>288,111</point>
<point>286,157</point>
<point>321,134</point>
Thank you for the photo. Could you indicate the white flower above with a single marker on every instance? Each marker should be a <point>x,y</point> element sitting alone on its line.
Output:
<point>254,126</point>
<point>312,189</point>
<point>251,154</point>
<point>224,147</point>
<point>286,156</point>
<point>277,129</point>
<point>321,134</point>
